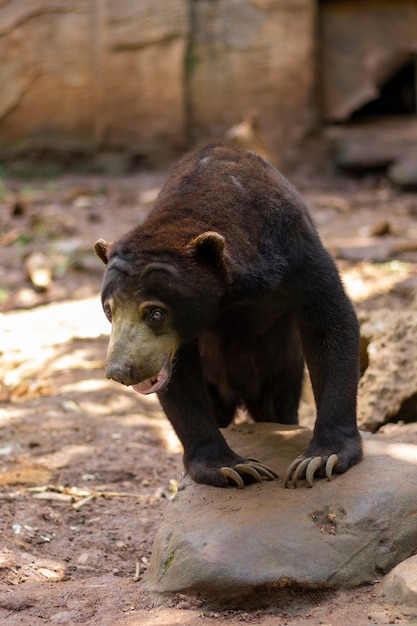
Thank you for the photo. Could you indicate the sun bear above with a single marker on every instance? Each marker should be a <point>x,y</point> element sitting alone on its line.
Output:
<point>217,300</point>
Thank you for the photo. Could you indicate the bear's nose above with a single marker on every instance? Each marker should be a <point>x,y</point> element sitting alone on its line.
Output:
<point>120,372</point>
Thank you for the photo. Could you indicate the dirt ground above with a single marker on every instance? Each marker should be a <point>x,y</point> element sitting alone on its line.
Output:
<point>87,467</point>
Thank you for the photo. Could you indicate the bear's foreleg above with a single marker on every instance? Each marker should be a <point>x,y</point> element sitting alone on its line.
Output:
<point>207,457</point>
<point>330,337</point>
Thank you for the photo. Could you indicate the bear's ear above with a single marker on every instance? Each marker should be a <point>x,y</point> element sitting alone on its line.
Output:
<point>100,248</point>
<point>211,246</point>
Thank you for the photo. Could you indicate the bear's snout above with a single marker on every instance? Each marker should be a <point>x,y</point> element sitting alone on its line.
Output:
<point>120,372</point>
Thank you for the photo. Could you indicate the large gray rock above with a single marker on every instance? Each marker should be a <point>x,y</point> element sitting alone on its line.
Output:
<point>223,543</point>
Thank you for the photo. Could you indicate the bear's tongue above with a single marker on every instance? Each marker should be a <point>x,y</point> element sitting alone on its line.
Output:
<point>152,384</point>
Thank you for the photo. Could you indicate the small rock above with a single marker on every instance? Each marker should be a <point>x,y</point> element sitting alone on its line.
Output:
<point>403,172</point>
<point>400,585</point>
<point>18,206</point>
<point>357,155</point>
<point>373,144</point>
<point>381,228</point>
<point>38,270</point>
<point>13,601</point>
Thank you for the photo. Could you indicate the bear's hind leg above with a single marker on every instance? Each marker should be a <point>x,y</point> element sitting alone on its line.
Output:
<point>278,398</point>
<point>223,410</point>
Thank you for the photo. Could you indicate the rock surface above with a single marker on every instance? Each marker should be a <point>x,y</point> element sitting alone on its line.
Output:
<point>227,543</point>
<point>376,144</point>
<point>102,58</point>
<point>252,54</point>
<point>400,585</point>
<point>378,36</point>
<point>388,387</point>
<point>404,172</point>
<point>129,76</point>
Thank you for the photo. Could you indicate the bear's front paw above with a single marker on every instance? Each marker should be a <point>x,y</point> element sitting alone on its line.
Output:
<point>320,462</point>
<point>307,466</point>
<point>236,473</point>
<point>250,470</point>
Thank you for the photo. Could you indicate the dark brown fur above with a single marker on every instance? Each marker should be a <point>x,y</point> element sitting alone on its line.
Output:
<point>231,254</point>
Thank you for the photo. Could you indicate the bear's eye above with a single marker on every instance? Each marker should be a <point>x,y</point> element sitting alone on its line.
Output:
<point>156,316</point>
<point>107,311</point>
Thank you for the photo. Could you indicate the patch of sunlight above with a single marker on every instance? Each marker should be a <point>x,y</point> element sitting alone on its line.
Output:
<point>369,279</point>
<point>26,474</point>
<point>187,618</point>
<point>138,421</point>
<point>403,452</point>
<point>19,564</point>
<point>76,360</point>
<point>29,339</point>
<point>11,413</point>
<point>64,456</point>
<point>89,385</point>
<point>116,405</point>
<point>125,403</point>
<point>287,430</point>
<point>160,424</point>
<point>406,452</point>
<point>146,402</point>
<point>52,324</point>
<point>169,438</point>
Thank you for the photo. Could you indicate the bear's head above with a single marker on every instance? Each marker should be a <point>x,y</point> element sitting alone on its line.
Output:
<point>156,300</point>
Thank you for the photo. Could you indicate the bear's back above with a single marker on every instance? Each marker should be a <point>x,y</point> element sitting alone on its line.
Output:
<point>232,191</point>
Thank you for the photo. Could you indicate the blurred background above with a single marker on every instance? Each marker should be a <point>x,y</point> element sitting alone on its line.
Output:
<point>97,100</point>
<point>115,91</point>
<point>139,81</point>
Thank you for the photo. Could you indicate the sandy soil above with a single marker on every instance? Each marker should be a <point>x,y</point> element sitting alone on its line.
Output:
<point>87,466</point>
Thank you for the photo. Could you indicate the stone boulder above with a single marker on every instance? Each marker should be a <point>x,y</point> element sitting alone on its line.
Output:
<point>375,145</point>
<point>224,544</point>
<point>403,172</point>
<point>388,387</point>
<point>400,585</point>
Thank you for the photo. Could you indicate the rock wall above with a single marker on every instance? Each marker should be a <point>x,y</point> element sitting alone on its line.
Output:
<point>145,76</point>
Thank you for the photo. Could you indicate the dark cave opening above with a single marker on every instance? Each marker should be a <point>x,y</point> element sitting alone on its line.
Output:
<point>398,95</point>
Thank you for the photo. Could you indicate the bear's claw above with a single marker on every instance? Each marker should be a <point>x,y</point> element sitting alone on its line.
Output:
<point>306,467</point>
<point>253,468</point>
